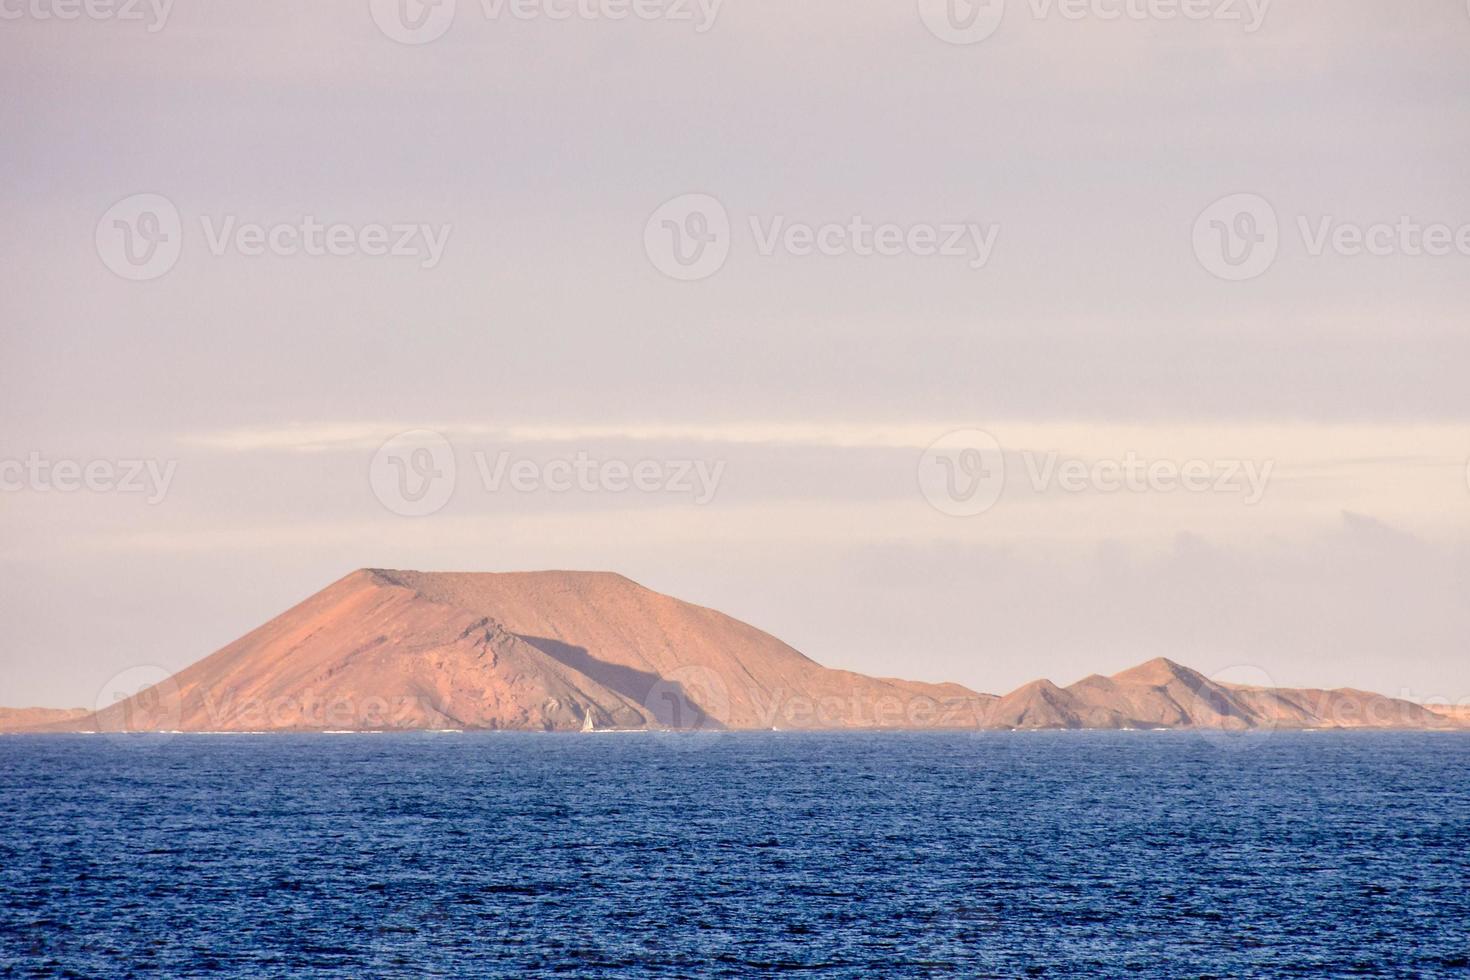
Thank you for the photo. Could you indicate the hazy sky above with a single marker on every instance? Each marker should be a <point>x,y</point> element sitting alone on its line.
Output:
<point>1122,321</point>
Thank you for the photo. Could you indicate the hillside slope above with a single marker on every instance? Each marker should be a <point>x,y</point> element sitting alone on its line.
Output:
<point>537,651</point>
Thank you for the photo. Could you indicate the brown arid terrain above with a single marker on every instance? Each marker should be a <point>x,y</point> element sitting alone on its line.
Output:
<point>1163,694</point>
<point>20,719</point>
<point>1459,712</point>
<point>573,651</point>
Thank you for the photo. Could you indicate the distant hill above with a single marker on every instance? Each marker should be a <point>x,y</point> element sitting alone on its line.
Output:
<point>20,719</point>
<point>1460,713</point>
<point>1164,694</point>
<point>570,651</point>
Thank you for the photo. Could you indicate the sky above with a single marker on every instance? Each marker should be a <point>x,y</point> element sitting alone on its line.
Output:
<point>972,343</point>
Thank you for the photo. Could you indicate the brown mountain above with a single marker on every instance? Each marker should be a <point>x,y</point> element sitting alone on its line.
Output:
<point>1041,704</point>
<point>541,650</point>
<point>572,650</point>
<point>1164,694</point>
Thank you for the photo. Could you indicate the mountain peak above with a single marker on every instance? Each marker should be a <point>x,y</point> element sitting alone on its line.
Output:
<point>1158,672</point>
<point>395,648</point>
<point>408,577</point>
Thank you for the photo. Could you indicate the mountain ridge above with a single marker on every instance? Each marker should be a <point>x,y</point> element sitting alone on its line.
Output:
<point>389,649</point>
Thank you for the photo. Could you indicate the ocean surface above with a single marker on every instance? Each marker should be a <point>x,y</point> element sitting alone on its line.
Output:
<point>1131,854</point>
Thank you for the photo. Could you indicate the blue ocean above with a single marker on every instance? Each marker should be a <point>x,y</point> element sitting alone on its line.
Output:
<point>1129,854</point>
